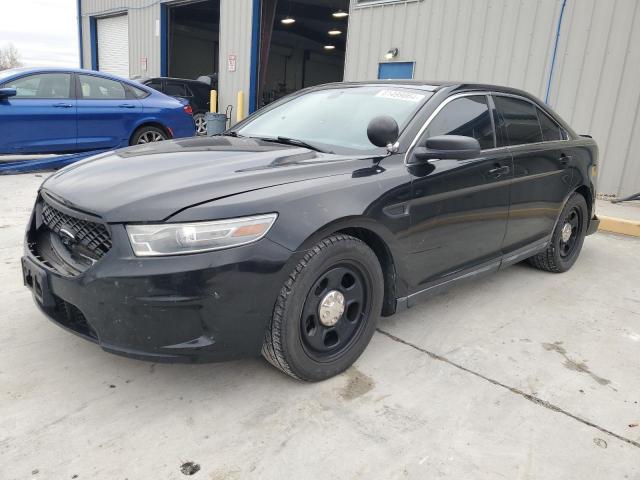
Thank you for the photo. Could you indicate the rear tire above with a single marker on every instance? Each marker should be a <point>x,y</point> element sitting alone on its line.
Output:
<point>326,311</point>
<point>147,134</point>
<point>567,239</point>
<point>200,122</point>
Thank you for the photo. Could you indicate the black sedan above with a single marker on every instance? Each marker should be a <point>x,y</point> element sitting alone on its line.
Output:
<point>294,231</point>
<point>197,93</point>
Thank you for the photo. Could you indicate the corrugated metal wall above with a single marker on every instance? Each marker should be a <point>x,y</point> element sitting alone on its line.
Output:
<point>144,32</point>
<point>144,40</point>
<point>235,39</point>
<point>596,80</point>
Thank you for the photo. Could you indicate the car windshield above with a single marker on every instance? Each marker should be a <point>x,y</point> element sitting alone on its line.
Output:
<point>335,119</point>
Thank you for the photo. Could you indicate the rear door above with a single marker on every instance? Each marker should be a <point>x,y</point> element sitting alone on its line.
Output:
<point>459,207</point>
<point>41,118</point>
<point>542,179</point>
<point>107,112</point>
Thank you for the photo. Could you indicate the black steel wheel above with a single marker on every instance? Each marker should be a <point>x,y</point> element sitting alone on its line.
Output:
<point>334,311</point>
<point>327,309</point>
<point>567,238</point>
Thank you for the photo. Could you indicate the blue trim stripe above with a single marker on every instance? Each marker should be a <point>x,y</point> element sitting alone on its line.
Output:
<point>255,56</point>
<point>80,51</point>
<point>93,36</point>
<point>164,46</point>
<point>555,51</point>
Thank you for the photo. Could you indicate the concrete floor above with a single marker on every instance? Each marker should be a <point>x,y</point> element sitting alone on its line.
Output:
<point>520,375</point>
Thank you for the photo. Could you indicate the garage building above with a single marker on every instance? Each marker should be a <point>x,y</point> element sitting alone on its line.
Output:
<point>581,56</point>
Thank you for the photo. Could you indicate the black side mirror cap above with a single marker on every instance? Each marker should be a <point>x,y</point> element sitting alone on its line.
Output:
<point>8,92</point>
<point>383,131</point>
<point>448,147</point>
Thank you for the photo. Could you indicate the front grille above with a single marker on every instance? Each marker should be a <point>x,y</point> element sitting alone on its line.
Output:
<point>92,236</point>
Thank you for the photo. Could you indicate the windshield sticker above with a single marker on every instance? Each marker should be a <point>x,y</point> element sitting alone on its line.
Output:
<point>400,95</point>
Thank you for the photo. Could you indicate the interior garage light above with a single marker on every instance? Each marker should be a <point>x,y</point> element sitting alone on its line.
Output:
<point>329,47</point>
<point>340,14</point>
<point>334,32</point>
<point>288,20</point>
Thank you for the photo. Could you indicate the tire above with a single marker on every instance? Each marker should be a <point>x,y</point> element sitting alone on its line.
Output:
<point>302,344</point>
<point>201,124</point>
<point>560,255</point>
<point>147,134</point>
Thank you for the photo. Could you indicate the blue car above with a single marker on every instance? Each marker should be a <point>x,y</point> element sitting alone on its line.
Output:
<point>66,110</point>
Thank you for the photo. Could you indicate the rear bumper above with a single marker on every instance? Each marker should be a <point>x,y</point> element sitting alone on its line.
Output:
<point>594,223</point>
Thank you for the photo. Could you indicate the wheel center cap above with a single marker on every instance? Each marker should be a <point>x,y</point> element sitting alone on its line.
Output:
<point>331,308</point>
<point>567,230</point>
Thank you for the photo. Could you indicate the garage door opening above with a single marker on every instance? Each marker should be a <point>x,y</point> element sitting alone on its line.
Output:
<point>113,45</point>
<point>193,39</point>
<point>302,44</point>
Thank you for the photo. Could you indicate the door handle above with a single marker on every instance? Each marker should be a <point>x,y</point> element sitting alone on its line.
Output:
<point>499,171</point>
<point>126,105</point>
<point>63,105</point>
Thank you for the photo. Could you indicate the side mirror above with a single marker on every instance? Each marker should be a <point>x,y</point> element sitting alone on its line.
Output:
<point>8,92</point>
<point>383,131</point>
<point>448,147</point>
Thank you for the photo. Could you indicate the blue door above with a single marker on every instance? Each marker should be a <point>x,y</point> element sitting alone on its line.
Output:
<point>107,113</point>
<point>395,70</point>
<point>41,117</point>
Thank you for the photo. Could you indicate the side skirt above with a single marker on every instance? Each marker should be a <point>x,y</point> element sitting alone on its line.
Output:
<point>478,271</point>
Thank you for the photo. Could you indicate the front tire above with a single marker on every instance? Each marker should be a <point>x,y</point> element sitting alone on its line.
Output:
<point>147,134</point>
<point>326,311</point>
<point>567,238</point>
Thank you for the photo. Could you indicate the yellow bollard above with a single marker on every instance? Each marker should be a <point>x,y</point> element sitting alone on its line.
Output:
<point>213,104</point>
<point>240,106</point>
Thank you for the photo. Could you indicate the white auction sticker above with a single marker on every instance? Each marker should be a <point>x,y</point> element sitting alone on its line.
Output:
<point>400,95</point>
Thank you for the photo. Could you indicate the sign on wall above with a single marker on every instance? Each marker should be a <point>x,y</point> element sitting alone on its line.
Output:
<point>231,63</point>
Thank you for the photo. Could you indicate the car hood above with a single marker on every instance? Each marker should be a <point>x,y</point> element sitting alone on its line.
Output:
<point>152,182</point>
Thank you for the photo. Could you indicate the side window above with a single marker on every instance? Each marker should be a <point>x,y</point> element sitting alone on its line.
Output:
<point>155,84</point>
<point>44,86</point>
<point>99,88</point>
<point>519,120</point>
<point>138,92</point>
<point>550,129</point>
<point>176,89</point>
<point>468,116</point>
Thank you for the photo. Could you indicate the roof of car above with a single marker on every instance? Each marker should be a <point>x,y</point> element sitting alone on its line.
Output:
<point>434,85</point>
<point>187,80</point>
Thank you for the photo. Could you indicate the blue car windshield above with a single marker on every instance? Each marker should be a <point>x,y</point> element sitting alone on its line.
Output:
<point>336,118</point>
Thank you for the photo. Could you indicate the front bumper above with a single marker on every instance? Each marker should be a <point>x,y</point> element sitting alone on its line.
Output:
<point>190,308</point>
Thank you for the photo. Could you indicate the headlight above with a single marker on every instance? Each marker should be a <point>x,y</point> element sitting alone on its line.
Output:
<point>181,238</point>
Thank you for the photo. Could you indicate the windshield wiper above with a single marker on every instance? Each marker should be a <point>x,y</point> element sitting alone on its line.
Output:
<point>232,133</point>
<point>293,141</point>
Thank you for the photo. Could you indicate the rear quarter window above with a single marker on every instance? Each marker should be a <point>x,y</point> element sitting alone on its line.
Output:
<point>551,131</point>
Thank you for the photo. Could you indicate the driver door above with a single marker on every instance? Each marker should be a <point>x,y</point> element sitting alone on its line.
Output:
<point>459,208</point>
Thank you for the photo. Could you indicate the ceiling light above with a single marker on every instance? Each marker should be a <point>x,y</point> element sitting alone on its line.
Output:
<point>340,14</point>
<point>329,47</point>
<point>392,53</point>
<point>288,20</point>
<point>334,32</point>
